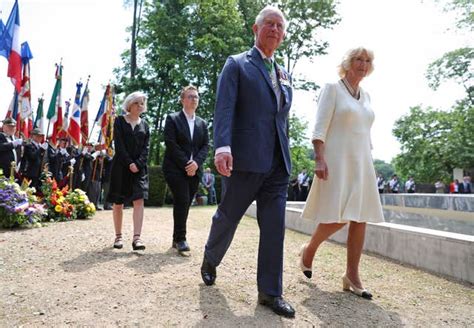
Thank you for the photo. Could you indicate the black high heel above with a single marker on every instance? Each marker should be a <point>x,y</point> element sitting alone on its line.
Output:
<point>308,272</point>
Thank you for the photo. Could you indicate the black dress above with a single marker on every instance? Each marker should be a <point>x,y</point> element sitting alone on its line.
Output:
<point>131,146</point>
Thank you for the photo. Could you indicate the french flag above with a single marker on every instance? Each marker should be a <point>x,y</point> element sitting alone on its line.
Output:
<point>14,59</point>
<point>74,129</point>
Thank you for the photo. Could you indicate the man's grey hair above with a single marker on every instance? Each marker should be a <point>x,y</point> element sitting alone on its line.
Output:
<point>267,11</point>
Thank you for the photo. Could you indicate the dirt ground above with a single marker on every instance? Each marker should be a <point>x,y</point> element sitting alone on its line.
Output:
<point>68,274</point>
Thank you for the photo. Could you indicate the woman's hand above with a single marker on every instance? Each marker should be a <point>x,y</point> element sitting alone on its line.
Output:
<point>133,168</point>
<point>321,169</point>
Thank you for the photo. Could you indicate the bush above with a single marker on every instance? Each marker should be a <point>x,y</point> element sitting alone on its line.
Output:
<point>157,188</point>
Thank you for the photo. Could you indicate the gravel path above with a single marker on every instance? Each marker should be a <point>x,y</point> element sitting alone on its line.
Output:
<point>67,274</point>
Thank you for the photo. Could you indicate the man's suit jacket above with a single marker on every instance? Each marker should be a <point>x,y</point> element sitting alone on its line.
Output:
<point>6,154</point>
<point>179,145</point>
<point>211,182</point>
<point>247,118</point>
<point>31,161</point>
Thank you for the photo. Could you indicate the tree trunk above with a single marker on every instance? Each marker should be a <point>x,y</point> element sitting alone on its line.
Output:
<point>133,49</point>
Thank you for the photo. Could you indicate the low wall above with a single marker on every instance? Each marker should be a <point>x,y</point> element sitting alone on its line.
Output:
<point>446,253</point>
<point>458,202</point>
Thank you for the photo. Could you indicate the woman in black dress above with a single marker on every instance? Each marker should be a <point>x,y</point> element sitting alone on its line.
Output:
<point>129,174</point>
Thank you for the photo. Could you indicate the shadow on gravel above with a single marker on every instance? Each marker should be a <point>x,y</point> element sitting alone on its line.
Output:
<point>344,309</point>
<point>217,313</point>
<point>150,263</point>
<point>143,262</point>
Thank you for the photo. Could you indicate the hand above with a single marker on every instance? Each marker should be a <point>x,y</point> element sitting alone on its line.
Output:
<point>73,161</point>
<point>63,151</point>
<point>83,177</point>
<point>133,168</point>
<point>223,162</point>
<point>321,169</point>
<point>44,145</point>
<point>84,151</point>
<point>191,168</point>
<point>95,154</point>
<point>17,142</point>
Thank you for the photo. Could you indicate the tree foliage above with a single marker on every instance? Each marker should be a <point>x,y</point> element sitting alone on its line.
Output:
<point>456,65</point>
<point>184,42</point>
<point>434,142</point>
<point>384,168</point>
<point>465,12</point>
<point>300,150</point>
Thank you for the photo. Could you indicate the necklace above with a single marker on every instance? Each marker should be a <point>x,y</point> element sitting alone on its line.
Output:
<point>355,93</point>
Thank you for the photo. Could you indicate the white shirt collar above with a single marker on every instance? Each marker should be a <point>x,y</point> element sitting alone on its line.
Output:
<point>263,55</point>
<point>189,118</point>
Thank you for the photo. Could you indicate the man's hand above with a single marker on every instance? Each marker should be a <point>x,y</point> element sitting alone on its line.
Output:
<point>321,169</point>
<point>133,168</point>
<point>223,162</point>
<point>17,142</point>
<point>191,168</point>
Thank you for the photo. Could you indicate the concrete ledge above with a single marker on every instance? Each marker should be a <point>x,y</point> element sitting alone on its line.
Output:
<point>464,203</point>
<point>446,253</point>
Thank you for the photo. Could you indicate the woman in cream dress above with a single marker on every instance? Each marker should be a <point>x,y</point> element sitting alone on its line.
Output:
<point>345,191</point>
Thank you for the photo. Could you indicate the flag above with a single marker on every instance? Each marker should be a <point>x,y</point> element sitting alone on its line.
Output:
<point>13,107</point>
<point>75,122</point>
<point>85,114</point>
<point>55,113</point>
<point>107,121</point>
<point>10,46</point>
<point>64,128</point>
<point>25,113</point>
<point>101,110</point>
<point>39,120</point>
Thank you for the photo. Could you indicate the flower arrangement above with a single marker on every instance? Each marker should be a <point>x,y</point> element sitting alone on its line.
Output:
<point>58,206</point>
<point>18,205</point>
<point>82,206</point>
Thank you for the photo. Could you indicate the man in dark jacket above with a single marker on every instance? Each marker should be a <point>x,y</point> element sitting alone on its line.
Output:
<point>33,158</point>
<point>186,142</point>
<point>9,146</point>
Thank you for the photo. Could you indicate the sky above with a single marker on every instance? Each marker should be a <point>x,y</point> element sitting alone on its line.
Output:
<point>405,35</point>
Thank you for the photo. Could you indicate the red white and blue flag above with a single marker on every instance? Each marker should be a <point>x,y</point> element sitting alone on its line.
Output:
<point>85,114</point>
<point>74,129</point>
<point>14,57</point>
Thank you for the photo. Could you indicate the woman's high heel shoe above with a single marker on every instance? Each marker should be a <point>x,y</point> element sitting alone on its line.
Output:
<point>347,285</point>
<point>308,272</point>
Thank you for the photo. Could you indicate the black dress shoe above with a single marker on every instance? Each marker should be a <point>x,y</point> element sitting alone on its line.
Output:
<point>182,246</point>
<point>277,304</point>
<point>208,272</point>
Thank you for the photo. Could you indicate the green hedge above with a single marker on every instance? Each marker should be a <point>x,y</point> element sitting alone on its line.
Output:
<point>159,194</point>
<point>156,193</point>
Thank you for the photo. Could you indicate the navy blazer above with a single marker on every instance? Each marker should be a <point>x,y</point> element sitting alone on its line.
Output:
<point>179,145</point>
<point>246,116</point>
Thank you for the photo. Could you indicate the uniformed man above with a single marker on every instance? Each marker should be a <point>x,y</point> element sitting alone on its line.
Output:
<point>10,147</point>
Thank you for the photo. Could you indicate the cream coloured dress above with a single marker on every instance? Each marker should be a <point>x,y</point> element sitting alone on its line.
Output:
<point>350,193</point>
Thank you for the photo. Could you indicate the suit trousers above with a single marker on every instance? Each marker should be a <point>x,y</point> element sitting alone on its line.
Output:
<point>239,191</point>
<point>183,189</point>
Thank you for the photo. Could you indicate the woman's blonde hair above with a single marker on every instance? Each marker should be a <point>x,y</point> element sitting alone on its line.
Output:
<point>345,65</point>
<point>134,97</point>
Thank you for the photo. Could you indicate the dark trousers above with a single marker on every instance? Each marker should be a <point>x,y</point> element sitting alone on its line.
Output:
<point>239,191</point>
<point>183,189</point>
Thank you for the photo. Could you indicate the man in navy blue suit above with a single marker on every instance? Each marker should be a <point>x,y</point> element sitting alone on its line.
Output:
<point>251,140</point>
